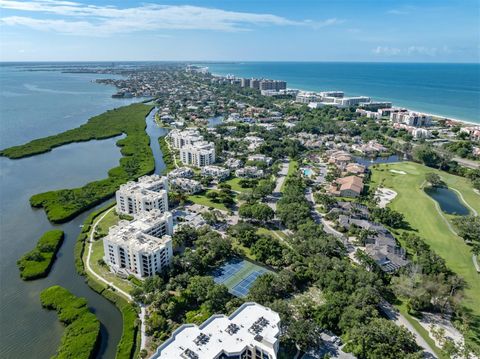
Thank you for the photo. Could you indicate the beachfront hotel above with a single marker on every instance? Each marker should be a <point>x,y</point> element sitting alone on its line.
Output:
<point>142,247</point>
<point>150,192</point>
<point>199,154</point>
<point>251,332</point>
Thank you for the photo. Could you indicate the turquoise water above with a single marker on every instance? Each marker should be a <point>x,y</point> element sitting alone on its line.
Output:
<point>451,90</point>
<point>307,172</point>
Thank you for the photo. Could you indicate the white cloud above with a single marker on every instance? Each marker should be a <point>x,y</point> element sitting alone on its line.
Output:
<point>82,19</point>
<point>386,50</point>
<point>411,51</point>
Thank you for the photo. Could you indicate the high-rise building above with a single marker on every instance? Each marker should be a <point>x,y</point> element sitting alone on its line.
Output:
<point>142,247</point>
<point>150,192</point>
<point>251,332</point>
<point>199,154</point>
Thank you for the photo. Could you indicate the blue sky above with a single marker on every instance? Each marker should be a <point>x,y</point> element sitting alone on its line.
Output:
<point>261,30</point>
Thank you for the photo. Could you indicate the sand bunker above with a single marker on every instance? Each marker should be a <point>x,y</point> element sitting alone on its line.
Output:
<point>399,172</point>
<point>384,196</point>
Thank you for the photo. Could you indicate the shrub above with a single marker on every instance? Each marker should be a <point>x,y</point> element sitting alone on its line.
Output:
<point>38,262</point>
<point>82,332</point>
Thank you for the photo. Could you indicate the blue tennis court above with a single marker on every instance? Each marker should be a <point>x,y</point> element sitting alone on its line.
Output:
<point>238,276</point>
<point>242,288</point>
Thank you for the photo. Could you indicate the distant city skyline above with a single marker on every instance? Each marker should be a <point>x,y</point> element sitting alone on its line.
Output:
<point>262,30</point>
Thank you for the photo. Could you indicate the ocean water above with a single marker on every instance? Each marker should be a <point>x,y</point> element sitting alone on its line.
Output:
<point>451,90</point>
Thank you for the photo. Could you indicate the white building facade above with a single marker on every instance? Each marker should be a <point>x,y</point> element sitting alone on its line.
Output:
<point>149,193</point>
<point>251,332</point>
<point>199,154</point>
<point>142,247</point>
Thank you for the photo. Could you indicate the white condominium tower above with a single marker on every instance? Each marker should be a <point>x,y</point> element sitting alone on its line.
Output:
<point>251,332</point>
<point>150,192</point>
<point>199,155</point>
<point>142,247</point>
<point>183,138</point>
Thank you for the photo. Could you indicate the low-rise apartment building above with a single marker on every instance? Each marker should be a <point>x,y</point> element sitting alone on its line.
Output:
<point>252,332</point>
<point>217,172</point>
<point>185,185</point>
<point>260,158</point>
<point>142,247</point>
<point>249,172</point>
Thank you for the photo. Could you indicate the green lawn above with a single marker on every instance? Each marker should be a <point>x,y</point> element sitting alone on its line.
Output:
<point>236,186</point>
<point>420,211</point>
<point>271,232</point>
<point>108,221</point>
<point>102,270</point>
<point>203,200</point>
<point>292,168</point>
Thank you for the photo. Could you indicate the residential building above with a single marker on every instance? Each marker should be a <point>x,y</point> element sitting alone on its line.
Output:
<point>421,133</point>
<point>252,332</point>
<point>307,97</point>
<point>249,172</point>
<point>142,247</point>
<point>255,84</point>
<point>411,118</point>
<point>233,163</point>
<point>149,193</point>
<point>181,172</point>
<point>199,154</point>
<point>245,82</point>
<point>185,185</point>
<point>350,101</point>
<point>272,85</point>
<point>261,158</point>
<point>350,186</point>
<point>180,139</point>
<point>375,105</point>
<point>217,172</point>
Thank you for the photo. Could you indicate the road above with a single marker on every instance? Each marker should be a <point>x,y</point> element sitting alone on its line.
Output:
<point>400,320</point>
<point>100,278</point>
<point>276,194</point>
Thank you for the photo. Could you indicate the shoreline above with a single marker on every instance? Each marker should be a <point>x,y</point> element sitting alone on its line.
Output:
<point>437,116</point>
<point>433,115</point>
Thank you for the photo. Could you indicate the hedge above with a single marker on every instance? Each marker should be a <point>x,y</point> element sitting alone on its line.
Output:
<point>82,332</point>
<point>38,262</point>
<point>137,160</point>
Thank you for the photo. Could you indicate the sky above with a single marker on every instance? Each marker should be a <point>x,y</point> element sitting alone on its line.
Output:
<point>240,30</point>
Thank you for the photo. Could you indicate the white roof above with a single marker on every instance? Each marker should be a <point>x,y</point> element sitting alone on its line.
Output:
<point>217,337</point>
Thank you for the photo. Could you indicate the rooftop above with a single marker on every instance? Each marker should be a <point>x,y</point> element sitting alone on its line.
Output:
<point>250,323</point>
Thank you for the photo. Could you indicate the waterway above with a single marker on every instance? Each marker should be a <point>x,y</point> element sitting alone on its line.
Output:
<point>448,200</point>
<point>27,330</point>
<point>35,104</point>
<point>154,131</point>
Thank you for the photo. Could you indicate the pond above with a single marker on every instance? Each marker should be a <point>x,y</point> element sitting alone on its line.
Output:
<point>369,161</point>
<point>448,200</point>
